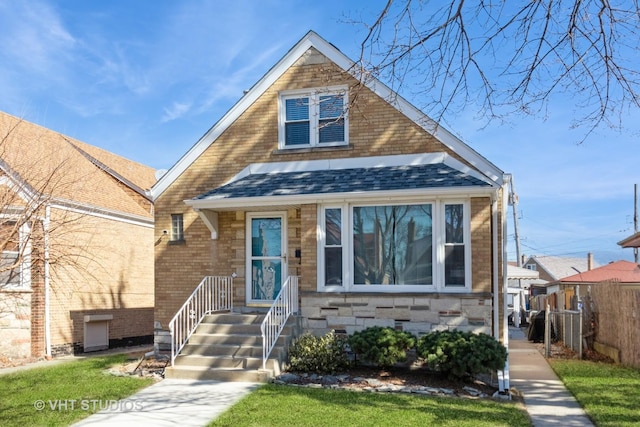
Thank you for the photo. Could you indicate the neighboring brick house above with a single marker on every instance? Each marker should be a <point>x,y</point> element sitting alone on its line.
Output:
<point>386,217</point>
<point>76,237</point>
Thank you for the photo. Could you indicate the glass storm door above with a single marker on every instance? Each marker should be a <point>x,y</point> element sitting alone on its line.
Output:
<point>266,256</point>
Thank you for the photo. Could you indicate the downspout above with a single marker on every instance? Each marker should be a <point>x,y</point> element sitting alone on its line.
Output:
<point>495,286</point>
<point>47,314</point>
<point>507,181</point>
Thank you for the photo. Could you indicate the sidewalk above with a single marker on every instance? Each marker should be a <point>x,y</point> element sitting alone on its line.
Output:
<point>548,402</point>
<point>170,403</point>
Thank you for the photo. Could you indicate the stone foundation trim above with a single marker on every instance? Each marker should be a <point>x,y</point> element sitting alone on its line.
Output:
<point>450,313</point>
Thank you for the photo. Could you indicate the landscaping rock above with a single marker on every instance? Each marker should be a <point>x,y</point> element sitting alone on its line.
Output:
<point>374,382</point>
<point>288,378</point>
<point>329,380</point>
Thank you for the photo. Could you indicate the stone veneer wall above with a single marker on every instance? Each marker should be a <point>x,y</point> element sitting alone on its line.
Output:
<point>417,314</point>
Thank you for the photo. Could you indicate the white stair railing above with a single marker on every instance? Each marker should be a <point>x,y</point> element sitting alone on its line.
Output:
<point>284,305</point>
<point>214,293</point>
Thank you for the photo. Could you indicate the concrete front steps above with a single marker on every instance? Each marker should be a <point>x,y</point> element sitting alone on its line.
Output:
<point>228,347</point>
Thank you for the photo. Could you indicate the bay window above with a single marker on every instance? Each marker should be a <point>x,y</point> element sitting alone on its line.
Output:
<point>392,245</point>
<point>417,247</point>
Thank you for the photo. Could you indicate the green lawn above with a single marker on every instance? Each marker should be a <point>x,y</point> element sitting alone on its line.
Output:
<point>610,394</point>
<point>281,405</point>
<point>45,396</point>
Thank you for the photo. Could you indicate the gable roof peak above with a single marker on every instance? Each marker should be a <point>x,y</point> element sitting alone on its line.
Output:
<point>71,172</point>
<point>312,40</point>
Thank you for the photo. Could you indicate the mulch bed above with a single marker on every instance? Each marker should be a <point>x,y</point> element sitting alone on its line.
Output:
<point>398,376</point>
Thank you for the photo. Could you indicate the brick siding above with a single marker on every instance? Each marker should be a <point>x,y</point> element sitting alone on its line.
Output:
<point>375,129</point>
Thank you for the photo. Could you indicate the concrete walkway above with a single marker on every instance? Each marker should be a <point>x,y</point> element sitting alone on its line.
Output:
<point>171,403</point>
<point>548,402</point>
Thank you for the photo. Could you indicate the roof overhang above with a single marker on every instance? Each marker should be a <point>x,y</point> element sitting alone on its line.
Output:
<point>631,241</point>
<point>222,204</point>
<point>402,177</point>
<point>514,272</point>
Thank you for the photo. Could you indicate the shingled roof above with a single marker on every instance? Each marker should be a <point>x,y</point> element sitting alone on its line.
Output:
<point>71,171</point>
<point>558,267</point>
<point>345,181</point>
<point>621,271</point>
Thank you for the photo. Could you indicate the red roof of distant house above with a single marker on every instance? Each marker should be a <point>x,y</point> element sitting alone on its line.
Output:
<point>623,271</point>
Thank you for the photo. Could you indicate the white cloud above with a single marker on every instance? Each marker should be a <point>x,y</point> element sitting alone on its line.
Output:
<point>233,86</point>
<point>176,111</point>
<point>34,36</point>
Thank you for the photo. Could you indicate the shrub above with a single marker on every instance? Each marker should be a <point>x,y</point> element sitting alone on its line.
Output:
<point>324,354</point>
<point>461,355</point>
<point>380,346</point>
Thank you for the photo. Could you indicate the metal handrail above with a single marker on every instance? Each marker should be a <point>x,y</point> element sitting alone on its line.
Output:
<point>214,293</point>
<point>284,305</point>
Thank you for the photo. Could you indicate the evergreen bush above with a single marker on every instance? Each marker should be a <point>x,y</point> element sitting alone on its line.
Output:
<point>323,354</point>
<point>383,347</point>
<point>461,355</point>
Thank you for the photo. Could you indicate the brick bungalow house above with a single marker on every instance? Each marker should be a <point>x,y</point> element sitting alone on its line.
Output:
<point>76,241</point>
<point>379,215</point>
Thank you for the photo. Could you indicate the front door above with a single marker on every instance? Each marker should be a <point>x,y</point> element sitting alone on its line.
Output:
<point>266,256</point>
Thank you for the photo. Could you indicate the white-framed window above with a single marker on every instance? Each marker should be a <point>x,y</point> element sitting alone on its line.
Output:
<point>177,227</point>
<point>395,247</point>
<point>455,245</point>
<point>15,259</point>
<point>333,244</point>
<point>313,118</point>
<point>9,269</point>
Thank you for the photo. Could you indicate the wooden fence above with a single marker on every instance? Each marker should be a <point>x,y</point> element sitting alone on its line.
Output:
<point>617,319</point>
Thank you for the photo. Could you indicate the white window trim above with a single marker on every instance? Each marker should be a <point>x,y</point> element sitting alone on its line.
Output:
<point>441,236</point>
<point>24,250</point>
<point>313,95</point>
<point>177,235</point>
<point>346,271</point>
<point>438,207</point>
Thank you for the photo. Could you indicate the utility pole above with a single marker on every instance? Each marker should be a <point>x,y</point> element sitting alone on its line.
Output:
<point>513,201</point>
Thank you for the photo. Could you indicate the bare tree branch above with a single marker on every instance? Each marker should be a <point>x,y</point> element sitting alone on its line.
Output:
<point>506,57</point>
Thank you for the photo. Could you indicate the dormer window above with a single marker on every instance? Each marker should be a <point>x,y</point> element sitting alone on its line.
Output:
<point>313,118</point>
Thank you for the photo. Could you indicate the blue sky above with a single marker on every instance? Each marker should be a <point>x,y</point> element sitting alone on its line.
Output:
<point>146,79</point>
